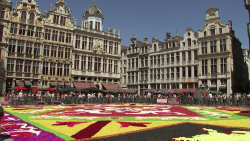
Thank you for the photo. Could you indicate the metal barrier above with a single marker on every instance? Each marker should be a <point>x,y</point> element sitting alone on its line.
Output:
<point>33,100</point>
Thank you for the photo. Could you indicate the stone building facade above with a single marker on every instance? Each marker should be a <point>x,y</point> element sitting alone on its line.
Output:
<point>172,64</point>
<point>50,49</point>
<point>220,56</point>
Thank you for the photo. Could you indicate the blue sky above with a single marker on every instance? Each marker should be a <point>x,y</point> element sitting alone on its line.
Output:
<point>149,18</point>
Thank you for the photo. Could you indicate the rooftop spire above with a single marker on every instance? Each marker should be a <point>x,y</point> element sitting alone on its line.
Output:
<point>94,3</point>
<point>211,5</point>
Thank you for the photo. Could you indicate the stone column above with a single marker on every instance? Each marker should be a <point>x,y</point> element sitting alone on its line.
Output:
<point>81,41</point>
<point>209,66</point>
<point>218,65</point>
<point>208,47</point>
<point>93,63</point>
<point>74,40</point>
<point>107,51</point>
<point>73,61</point>
<point>228,65</point>
<point>192,71</point>
<point>102,64</point>
<point>217,45</point>
<point>80,62</point>
<point>228,43</point>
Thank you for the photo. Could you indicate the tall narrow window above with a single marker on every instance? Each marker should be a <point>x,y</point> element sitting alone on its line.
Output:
<point>35,67</point>
<point>67,53</point>
<point>183,72</point>
<point>110,66</point>
<point>10,64</point>
<point>115,66</point>
<point>13,28</point>
<point>212,32</point>
<point>60,52</point>
<point>2,13</point>
<point>66,70</point>
<point>46,50</point>
<point>91,24</point>
<point>23,17</point>
<point>30,31</point>
<point>105,46</point>
<point>90,64</point>
<point>37,47</point>
<point>213,46</point>
<point>104,65</point>
<point>68,38</point>
<point>195,55</point>
<point>32,19</point>
<point>77,61</point>
<point>47,34</point>
<point>204,47</point>
<point>214,66</point>
<point>220,30</point>
<point>53,51</point>
<point>19,65</point>
<point>22,30</point>
<point>96,64</point>
<point>52,69</point>
<point>61,36</point>
<point>172,57</point>
<point>83,63</point>
<point>189,56</point>
<point>90,43</point>
<point>166,45</point>
<point>84,42</point>
<point>177,72</point>
<point>38,32</point>
<point>205,33</point>
<point>110,47</point>
<point>223,46</point>
<point>20,47</point>
<point>56,19</point>
<point>12,45</point>
<point>177,57</point>
<point>189,42</point>
<point>116,49</point>
<point>62,22</point>
<point>29,46</point>
<point>45,68</point>
<point>223,65</point>
<point>183,56</point>
<point>1,32</point>
<point>59,69</point>
<point>195,71</point>
<point>189,72</point>
<point>204,67</point>
<point>54,35</point>
<point>155,47</point>
<point>27,67</point>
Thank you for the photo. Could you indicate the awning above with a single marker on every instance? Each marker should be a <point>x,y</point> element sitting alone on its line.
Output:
<point>27,83</point>
<point>185,90</point>
<point>112,87</point>
<point>60,83</point>
<point>82,85</point>
<point>19,83</point>
<point>67,84</point>
<point>131,91</point>
<point>53,83</point>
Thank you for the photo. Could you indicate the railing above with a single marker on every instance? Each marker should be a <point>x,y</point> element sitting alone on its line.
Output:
<point>19,74</point>
<point>184,100</point>
<point>31,22</point>
<point>23,20</point>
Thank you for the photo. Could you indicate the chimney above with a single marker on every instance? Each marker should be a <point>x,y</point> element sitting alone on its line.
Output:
<point>230,25</point>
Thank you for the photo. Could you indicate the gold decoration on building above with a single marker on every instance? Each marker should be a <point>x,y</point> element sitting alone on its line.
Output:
<point>199,42</point>
<point>217,39</point>
<point>218,72</point>
<point>183,62</point>
<point>50,18</point>
<point>218,22</point>
<point>227,37</point>
<point>14,19</point>
<point>228,71</point>
<point>50,7</point>
<point>206,24</point>
<point>189,79</point>
<point>208,41</point>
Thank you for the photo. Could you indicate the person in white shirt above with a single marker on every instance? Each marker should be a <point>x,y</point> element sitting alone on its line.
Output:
<point>89,96</point>
<point>20,93</point>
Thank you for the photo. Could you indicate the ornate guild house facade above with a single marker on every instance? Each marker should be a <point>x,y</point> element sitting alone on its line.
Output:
<point>49,50</point>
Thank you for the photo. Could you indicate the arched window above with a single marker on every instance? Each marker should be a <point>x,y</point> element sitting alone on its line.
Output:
<point>154,47</point>
<point>24,15</point>
<point>32,18</point>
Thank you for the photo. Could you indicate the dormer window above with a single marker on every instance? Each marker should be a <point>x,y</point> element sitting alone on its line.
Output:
<point>220,30</point>
<point>155,47</point>
<point>173,44</point>
<point>33,7</point>
<point>91,24</point>
<point>166,45</point>
<point>24,5</point>
<point>56,19</point>
<point>32,18</point>
<point>2,13</point>
<point>205,33</point>
<point>63,20</point>
<point>23,17</point>
<point>29,1</point>
<point>212,32</point>
<point>189,42</point>
<point>183,43</point>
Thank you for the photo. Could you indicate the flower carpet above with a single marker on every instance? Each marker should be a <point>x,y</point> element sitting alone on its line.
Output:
<point>123,122</point>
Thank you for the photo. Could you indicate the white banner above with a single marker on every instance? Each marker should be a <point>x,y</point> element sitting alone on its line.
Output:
<point>162,100</point>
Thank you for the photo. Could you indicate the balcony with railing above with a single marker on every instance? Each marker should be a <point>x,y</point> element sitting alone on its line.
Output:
<point>31,22</point>
<point>23,20</point>
<point>19,74</point>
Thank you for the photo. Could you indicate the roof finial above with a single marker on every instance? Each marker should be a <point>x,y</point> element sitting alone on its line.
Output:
<point>133,35</point>
<point>176,31</point>
<point>211,5</point>
<point>94,3</point>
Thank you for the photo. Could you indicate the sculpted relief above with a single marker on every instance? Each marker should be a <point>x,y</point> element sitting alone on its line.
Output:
<point>98,46</point>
